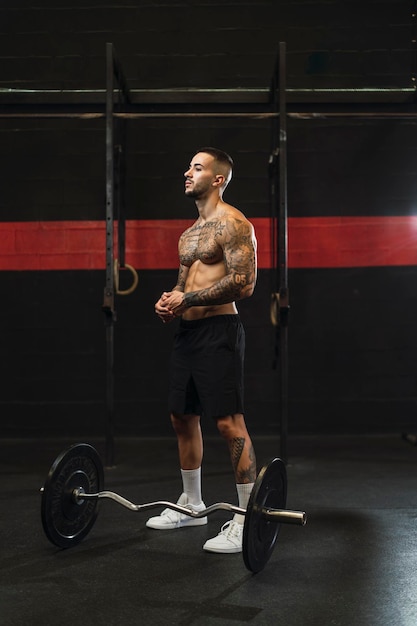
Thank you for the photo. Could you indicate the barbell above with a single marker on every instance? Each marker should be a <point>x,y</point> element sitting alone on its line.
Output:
<point>73,488</point>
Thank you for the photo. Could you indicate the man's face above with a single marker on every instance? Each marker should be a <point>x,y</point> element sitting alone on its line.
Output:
<point>200,176</point>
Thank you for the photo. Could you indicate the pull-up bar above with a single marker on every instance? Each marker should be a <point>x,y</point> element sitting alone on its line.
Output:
<point>87,105</point>
<point>277,113</point>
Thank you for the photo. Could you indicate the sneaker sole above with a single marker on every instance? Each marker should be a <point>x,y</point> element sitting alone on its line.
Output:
<point>220,551</point>
<point>202,521</point>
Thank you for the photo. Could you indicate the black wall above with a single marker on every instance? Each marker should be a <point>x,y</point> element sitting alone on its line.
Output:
<point>352,330</point>
<point>208,43</point>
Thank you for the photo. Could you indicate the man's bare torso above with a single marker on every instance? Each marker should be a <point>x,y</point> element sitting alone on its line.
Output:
<point>202,255</point>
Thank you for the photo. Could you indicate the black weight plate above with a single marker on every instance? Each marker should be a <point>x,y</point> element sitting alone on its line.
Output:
<point>259,533</point>
<point>67,521</point>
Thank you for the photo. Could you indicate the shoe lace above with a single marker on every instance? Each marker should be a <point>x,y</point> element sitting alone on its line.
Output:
<point>231,529</point>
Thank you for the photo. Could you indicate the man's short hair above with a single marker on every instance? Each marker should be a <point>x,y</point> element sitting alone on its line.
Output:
<point>224,159</point>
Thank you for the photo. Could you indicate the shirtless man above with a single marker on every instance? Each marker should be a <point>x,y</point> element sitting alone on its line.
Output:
<point>217,267</point>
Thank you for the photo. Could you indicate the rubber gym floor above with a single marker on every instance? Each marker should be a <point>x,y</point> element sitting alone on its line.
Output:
<point>353,564</point>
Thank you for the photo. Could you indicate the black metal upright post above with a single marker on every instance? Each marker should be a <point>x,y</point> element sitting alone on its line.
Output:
<point>283,250</point>
<point>115,217</point>
<point>108,303</point>
<point>279,239</point>
<point>120,183</point>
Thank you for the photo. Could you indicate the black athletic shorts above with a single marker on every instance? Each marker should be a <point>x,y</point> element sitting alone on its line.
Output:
<point>206,376</point>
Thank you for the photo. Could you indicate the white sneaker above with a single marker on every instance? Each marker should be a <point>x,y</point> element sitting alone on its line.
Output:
<point>229,539</point>
<point>170,519</point>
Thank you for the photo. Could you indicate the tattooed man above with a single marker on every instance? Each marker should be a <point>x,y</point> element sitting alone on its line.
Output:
<point>217,267</point>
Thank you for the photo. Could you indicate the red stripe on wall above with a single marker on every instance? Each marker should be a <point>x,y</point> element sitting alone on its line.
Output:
<point>316,242</point>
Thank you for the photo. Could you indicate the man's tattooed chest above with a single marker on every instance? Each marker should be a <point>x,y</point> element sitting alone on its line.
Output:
<point>201,242</point>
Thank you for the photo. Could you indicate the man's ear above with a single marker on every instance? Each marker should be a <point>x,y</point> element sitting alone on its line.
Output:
<point>218,180</point>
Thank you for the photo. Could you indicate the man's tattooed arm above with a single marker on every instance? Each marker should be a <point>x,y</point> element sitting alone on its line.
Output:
<point>182,277</point>
<point>239,250</point>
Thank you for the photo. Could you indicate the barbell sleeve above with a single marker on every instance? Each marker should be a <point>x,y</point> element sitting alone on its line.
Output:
<point>284,516</point>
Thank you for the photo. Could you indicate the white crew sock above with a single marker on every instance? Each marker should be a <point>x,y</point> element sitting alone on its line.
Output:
<point>191,481</point>
<point>243,494</point>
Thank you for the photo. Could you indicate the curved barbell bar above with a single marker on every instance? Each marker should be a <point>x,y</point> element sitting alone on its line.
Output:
<point>284,516</point>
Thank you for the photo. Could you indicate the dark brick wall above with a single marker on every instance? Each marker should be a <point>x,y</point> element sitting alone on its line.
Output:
<point>352,167</point>
<point>352,331</point>
<point>200,43</point>
<point>353,345</point>
<point>54,169</point>
<point>351,369</point>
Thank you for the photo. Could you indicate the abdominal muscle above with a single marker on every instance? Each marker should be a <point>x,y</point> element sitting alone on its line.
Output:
<point>201,276</point>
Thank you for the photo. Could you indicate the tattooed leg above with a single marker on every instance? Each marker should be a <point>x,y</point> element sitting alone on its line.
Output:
<point>242,454</point>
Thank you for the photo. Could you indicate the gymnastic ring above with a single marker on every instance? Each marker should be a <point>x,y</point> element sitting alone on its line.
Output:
<point>275,308</point>
<point>134,273</point>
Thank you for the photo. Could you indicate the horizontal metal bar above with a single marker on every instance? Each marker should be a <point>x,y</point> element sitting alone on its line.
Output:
<point>223,114</point>
<point>186,95</point>
<point>300,115</point>
<point>52,115</point>
<point>137,96</point>
<point>354,90</point>
<point>277,515</point>
<point>133,116</point>
<point>358,114</point>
